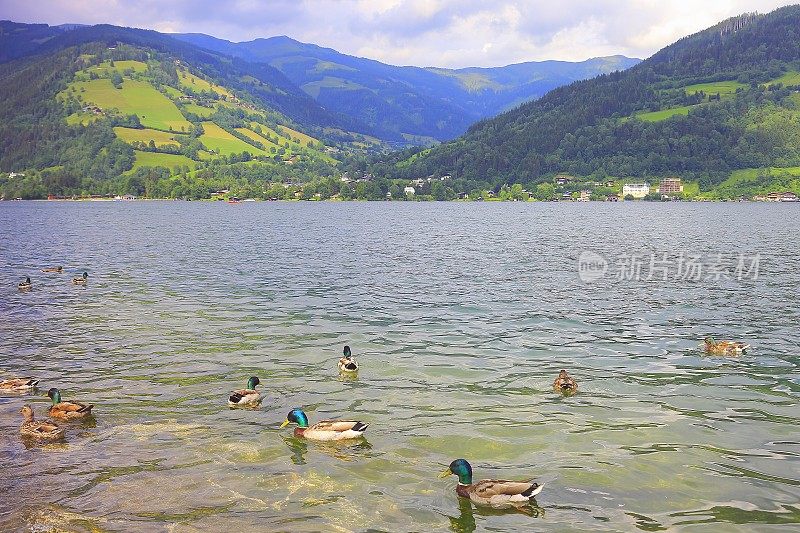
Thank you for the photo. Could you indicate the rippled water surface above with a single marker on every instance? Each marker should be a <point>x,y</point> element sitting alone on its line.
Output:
<point>460,315</point>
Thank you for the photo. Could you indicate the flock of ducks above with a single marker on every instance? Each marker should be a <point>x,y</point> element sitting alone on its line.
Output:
<point>27,284</point>
<point>65,410</point>
<point>496,493</point>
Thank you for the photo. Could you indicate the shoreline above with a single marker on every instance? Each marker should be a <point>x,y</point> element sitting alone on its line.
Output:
<point>464,201</point>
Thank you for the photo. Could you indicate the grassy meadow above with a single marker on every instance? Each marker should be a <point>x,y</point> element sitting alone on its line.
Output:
<point>134,98</point>
<point>723,88</point>
<point>160,138</point>
<point>217,139</point>
<point>155,159</point>
<point>256,137</point>
<point>656,116</point>
<point>190,81</point>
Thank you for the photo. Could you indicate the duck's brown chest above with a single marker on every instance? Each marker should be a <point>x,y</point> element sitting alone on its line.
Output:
<point>462,490</point>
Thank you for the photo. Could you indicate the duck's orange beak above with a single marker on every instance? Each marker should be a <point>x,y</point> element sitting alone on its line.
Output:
<point>445,473</point>
<point>285,423</point>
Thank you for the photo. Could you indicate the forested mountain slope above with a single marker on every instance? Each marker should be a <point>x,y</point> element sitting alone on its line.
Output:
<point>409,103</point>
<point>720,100</point>
<point>108,109</point>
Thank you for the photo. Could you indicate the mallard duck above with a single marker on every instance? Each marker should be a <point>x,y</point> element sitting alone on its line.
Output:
<point>39,430</point>
<point>725,347</point>
<point>80,280</point>
<point>347,363</point>
<point>248,396</point>
<point>491,492</point>
<point>25,285</point>
<point>53,269</point>
<point>325,430</point>
<point>565,383</point>
<point>18,384</point>
<point>67,410</point>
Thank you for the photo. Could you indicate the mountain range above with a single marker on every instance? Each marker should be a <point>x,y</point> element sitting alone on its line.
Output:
<point>401,105</point>
<point>714,107</point>
<point>106,109</point>
<point>408,103</point>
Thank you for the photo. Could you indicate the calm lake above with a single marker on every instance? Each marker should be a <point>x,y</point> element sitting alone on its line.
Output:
<point>460,316</point>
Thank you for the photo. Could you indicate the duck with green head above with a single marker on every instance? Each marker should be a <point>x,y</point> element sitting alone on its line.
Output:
<point>347,363</point>
<point>248,396</point>
<point>67,410</point>
<point>326,430</point>
<point>25,285</point>
<point>495,493</point>
<point>81,280</point>
<point>713,347</point>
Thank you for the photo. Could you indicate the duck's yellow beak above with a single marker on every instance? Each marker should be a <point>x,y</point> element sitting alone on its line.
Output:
<point>285,423</point>
<point>445,473</point>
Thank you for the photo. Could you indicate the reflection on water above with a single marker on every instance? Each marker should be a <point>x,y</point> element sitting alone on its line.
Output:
<point>465,521</point>
<point>460,316</point>
<point>346,450</point>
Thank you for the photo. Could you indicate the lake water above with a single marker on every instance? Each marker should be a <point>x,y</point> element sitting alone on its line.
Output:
<point>460,315</point>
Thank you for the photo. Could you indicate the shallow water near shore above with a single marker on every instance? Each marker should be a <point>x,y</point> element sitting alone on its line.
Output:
<point>460,315</point>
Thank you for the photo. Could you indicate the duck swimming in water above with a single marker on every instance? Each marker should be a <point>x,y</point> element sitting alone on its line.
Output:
<point>495,493</point>
<point>347,363</point>
<point>39,430</point>
<point>67,410</point>
<point>53,269</point>
<point>326,430</point>
<point>18,384</point>
<point>724,347</point>
<point>565,383</point>
<point>80,280</point>
<point>248,396</point>
<point>25,285</point>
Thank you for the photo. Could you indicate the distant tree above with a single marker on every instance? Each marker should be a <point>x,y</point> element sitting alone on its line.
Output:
<point>545,191</point>
<point>116,80</point>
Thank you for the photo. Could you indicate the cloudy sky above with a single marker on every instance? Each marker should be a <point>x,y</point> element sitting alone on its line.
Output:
<point>445,33</point>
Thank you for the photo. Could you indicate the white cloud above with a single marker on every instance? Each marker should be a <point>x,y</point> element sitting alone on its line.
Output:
<point>448,33</point>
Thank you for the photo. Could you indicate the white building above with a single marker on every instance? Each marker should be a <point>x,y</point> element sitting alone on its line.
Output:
<point>637,190</point>
<point>409,191</point>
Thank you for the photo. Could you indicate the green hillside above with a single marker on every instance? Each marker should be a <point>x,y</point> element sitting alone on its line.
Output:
<point>130,118</point>
<point>722,100</point>
<point>221,142</point>
<point>134,97</point>
<point>156,159</point>
<point>144,135</point>
<point>723,88</point>
<point>657,116</point>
